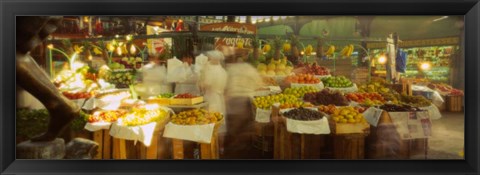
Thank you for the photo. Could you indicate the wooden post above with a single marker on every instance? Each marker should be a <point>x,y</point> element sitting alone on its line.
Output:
<point>98,137</point>
<point>107,145</point>
<point>177,149</point>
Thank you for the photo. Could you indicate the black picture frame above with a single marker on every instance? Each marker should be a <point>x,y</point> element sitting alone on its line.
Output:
<point>10,9</point>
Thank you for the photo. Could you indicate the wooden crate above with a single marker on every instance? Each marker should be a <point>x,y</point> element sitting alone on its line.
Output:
<point>384,142</point>
<point>349,128</point>
<point>292,145</point>
<point>160,101</point>
<point>182,149</point>
<point>263,136</point>
<point>348,139</point>
<point>349,146</point>
<point>454,103</point>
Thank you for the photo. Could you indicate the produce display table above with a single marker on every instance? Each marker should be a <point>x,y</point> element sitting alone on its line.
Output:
<point>158,149</point>
<point>207,150</point>
<point>111,147</point>
<point>385,142</point>
<point>263,135</point>
<point>104,140</point>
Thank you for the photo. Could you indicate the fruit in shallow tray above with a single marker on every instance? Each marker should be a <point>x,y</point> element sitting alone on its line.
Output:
<point>141,116</point>
<point>106,116</point>
<point>303,114</point>
<point>337,82</point>
<point>78,95</point>
<point>166,95</point>
<point>196,117</point>
<point>185,95</point>
<point>299,92</point>
<point>348,115</point>
<point>326,97</point>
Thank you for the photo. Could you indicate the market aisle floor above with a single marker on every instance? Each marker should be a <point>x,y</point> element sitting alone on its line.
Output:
<point>448,137</point>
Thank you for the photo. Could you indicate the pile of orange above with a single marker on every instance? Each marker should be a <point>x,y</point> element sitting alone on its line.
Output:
<point>302,79</point>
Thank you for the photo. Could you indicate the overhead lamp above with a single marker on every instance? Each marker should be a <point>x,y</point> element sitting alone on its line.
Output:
<point>425,66</point>
<point>382,59</point>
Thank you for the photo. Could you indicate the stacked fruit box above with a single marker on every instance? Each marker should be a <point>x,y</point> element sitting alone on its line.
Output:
<point>348,131</point>
<point>290,145</point>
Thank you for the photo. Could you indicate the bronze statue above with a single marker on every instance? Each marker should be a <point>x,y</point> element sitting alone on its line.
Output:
<point>30,32</point>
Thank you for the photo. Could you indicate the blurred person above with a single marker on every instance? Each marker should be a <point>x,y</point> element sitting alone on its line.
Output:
<point>243,80</point>
<point>190,82</point>
<point>154,78</point>
<point>213,82</point>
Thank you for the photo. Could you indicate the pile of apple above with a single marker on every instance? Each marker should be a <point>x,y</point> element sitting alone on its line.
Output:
<point>316,69</point>
<point>368,99</point>
<point>302,79</point>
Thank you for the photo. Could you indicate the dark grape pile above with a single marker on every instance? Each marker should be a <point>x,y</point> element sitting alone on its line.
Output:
<point>326,97</point>
<point>398,108</point>
<point>303,114</point>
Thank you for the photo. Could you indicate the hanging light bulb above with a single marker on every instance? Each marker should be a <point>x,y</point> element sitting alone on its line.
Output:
<point>382,59</point>
<point>425,66</point>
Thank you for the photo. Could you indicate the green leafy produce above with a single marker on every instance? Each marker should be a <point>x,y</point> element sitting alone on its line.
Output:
<point>30,123</point>
<point>166,95</point>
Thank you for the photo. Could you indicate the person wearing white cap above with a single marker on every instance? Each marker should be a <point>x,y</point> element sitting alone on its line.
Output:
<point>213,82</point>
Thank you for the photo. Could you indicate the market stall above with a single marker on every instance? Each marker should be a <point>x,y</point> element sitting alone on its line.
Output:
<point>142,96</point>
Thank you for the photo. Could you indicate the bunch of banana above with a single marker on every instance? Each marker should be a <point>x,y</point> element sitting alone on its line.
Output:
<point>330,50</point>
<point>266,48</point>
<point>78,49</point>
<point>347,50</point>
<point>308,50</point>
<point>286,47</point>
<point>97,51</point>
